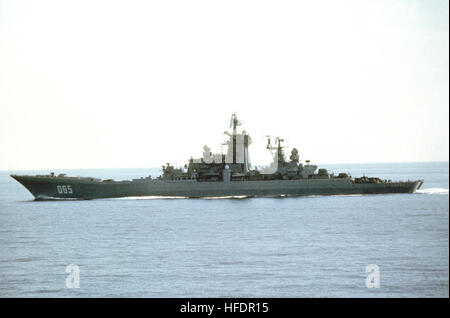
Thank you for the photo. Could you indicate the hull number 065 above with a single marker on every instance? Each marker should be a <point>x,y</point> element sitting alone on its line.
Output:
<point>66,189</point>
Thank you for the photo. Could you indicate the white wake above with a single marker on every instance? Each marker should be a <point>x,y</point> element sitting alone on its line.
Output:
<point>433,191</point>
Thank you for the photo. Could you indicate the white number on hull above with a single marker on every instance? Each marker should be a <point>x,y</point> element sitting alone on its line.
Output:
<point>66,189</point>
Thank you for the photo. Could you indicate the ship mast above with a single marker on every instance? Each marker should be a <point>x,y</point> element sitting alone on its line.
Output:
<point>234,122</point>
<point>238,145</point>
<point>276,150</point>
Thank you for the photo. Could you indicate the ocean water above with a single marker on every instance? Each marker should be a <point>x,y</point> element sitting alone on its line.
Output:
<point>317,246</point>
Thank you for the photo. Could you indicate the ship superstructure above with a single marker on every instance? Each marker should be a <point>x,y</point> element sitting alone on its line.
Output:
<point>235,164</point>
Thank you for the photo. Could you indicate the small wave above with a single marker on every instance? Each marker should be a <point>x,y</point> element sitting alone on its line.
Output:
<point>230,263</point>
<point>433,191</point>
<point>45,291</point>
<point>25,259</point>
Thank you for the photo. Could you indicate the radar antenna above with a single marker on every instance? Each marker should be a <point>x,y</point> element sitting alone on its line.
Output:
<point>234,122</point>
<point>277,143</point>
<point>269,145</point>
<point>276,149</point>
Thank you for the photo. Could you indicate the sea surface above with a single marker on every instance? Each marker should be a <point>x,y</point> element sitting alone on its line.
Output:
<point>318,246</point>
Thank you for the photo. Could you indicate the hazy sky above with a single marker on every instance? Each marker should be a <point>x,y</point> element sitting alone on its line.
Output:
<point>115,84</point>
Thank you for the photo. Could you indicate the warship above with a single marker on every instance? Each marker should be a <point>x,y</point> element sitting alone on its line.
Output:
<point>220,175</point>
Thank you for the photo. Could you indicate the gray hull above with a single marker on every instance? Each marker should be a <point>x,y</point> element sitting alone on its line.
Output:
<point>72,188</point>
